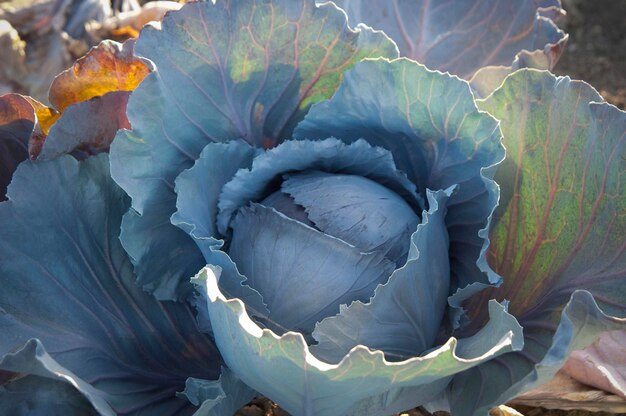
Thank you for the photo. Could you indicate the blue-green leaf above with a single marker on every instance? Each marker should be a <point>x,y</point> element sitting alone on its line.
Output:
<point>463,36</point>
<point>486,80</point>
<point>198,189</point>
<point>32,358</point>
<point>330,155</point>
<point>437,136</point>
<point>230,70</point>
<point>163,256</point>
<point>490,384</point>
<point>302,273</point>
<point>216,165</point>
<point>404,316</point>
<point>221,397</point>
<point>283,368</point>
<point>560,227</point>
<point>87,127</point>
<point>40,396</point>
<point>561,222</point>
<point>67,282</point>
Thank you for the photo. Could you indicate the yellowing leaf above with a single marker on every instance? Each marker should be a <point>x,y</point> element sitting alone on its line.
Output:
<point>108,67</point>
<point>46,116</point>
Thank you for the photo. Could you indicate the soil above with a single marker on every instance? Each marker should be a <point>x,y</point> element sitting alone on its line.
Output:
<point>596,50</point>
<point>536,411</point>
<point>263,407</point>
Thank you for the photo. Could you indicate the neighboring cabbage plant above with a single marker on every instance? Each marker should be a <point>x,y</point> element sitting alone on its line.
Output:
<point>366,236</point>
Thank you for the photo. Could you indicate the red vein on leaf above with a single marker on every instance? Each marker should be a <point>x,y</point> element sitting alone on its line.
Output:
<point>520,276</point>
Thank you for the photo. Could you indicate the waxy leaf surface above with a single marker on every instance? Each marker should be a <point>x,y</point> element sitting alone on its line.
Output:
<point>283,367</point>
<point>406,313</point>
<point>438,138</point>
<point>197,216</point>
<point>560,226</point>
<point>463,36</point>
<point>546,347</point>
<point>93,327</point>
<point>90,100</point>
<point>40,396</point>
<point>87,127</point>
<point>562,216</point>
<point>224,71</point>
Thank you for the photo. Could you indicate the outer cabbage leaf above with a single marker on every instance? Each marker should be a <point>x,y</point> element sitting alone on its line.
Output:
<point>108,67</point>
<point>437,136</point>
<point>215,167</point>
<point>560,227</point>
<point>120,347</point>
<point>284,369</point>
<point>40,396</point>
<point>87,127</point>
<point>94,91</point>
<point>46,117</point>
<point>246,70</point>
<point>463,36</point>
<point>17,122</point>
<point>28,120</point>
<point>479,389</point>
<point>602,365</point>
<point>486,80</point>
<point>33,359</point>
<point>220,397</point>
<point>561,223</point>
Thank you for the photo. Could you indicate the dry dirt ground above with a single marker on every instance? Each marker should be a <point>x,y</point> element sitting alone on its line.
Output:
<point>596,50</point>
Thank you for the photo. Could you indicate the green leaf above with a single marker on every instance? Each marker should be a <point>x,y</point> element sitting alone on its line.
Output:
<point>230,70</point>
<point>463,36</point>
<point>562,216</point>
<point>40,396</point>
<point>474,392</point>
<point>430,124</point>
<point>69,302</point>
<point>283,367</point>
<point>560,227</point>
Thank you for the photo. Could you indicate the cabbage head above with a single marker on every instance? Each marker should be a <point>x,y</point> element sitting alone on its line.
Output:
<point>365,235</point>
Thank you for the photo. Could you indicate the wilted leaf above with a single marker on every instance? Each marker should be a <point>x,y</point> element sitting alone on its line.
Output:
<point>110,66</point>
<point>17,121</point>
<point>602,364</point>
<point>563,392</point>
<point>463,36</point>
<point>87,126</point>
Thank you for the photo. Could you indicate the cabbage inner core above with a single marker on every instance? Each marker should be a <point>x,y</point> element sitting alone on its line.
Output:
<point>320,241</point>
